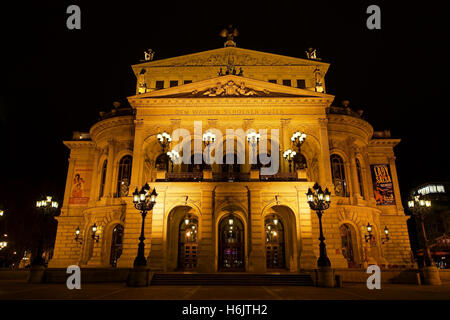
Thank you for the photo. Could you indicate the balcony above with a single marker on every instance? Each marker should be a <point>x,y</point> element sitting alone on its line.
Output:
<point>226,177</point>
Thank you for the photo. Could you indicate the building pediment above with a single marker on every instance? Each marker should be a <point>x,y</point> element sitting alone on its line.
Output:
<point>238,56</point>
<point>231,86</point>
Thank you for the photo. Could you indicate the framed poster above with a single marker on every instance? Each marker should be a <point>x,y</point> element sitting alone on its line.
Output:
<point>81,185</point>
<point>383,188</point>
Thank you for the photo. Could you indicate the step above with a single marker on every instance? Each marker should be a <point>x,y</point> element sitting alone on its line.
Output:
<point>238,279</point>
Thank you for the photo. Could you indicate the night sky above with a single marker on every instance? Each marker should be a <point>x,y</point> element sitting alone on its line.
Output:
<point>57,80</point>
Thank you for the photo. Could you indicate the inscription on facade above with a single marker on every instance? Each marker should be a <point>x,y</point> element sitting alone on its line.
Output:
<point>229,111</point>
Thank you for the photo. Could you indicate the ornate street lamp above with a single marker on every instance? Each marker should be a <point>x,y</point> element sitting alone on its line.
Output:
<point>94,234</point>
<point>297,139</point>
<point>2,213</point>
<point>164,140</point>
<point>78,239</point>
<point>386,237</point>
<point>289,156</point>
<point>368,236</point>
<point>419,207</point>
<point>253,139</point>
<point>174,156</point>
<point>319,201</point>
<point>144,201</point>
<point>47,207</point>
<point>208,139</point>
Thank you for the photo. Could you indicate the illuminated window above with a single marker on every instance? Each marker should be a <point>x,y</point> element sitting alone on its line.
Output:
<point>124,177</point>
<point>440,188</point>
<point>103,178</point>
<point>338,174</point>
<point>360,180</point>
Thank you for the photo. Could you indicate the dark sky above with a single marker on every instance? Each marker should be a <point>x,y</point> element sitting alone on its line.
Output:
<point>57,80</point>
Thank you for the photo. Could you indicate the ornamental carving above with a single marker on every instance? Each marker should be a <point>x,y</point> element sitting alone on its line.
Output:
<point>230,88</point>
<point>222,59</point>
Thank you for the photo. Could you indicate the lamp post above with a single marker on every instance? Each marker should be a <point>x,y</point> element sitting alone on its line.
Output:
<point>297,139</point>
<point>253,139</point>
<point>289,156</point>
<point>319,201</point>
<point>143,201</point>
<point>164,140</point>
<point>420,206</point>
<point>46,207</point>
<point>174,156</point>
<point>386,235</point>
<point>368,236</point>
<point>208,139</point>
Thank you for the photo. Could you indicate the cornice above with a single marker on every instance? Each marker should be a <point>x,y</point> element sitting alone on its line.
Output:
<point>72,145</point>
<point>349,120</point>
<point>384,142</point>
<point>110,123</point>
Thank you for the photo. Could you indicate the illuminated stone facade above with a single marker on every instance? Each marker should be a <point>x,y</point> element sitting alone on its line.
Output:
<point>192,91</point>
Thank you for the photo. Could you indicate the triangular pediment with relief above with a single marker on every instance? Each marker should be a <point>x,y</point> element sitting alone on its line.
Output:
<point>238,56</point>
<point>231,86</point>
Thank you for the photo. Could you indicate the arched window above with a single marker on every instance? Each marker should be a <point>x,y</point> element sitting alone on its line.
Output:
<point>123,181</point>
<point>338,174</point>
<point>360,180</point>
<point>162,162</point>
<point>103,178</point>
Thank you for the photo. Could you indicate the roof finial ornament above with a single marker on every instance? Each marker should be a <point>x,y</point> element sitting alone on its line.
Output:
<point>229,33</point>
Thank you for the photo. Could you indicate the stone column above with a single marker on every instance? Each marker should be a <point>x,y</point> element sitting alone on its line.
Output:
<point>398,199</point>
<point>138,158</point>
<point>95,177</point>
<point>109,188</point>
<point>306,256</point>
<point>256,261</point>
<point>154,233</point>
<point>206,250</point>
<point>325,165</point>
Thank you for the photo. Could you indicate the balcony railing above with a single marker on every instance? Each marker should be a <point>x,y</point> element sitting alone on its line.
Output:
<point>184,176</point>
<point>281,176</point>
<point>227,176</point>
<point>231,176</point>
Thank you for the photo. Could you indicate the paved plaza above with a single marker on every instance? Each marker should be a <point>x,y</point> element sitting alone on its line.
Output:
<point>20,290</point>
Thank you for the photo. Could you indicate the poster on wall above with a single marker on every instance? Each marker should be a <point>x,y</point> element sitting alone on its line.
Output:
<point>81,180</point>
<point>383,188</point>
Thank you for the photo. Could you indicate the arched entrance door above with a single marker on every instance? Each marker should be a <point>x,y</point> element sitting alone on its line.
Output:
<point>231,244</point>
<point>188,243</point>
<point>116,245</point>
<point>275,251</point>
<point>347,245</point>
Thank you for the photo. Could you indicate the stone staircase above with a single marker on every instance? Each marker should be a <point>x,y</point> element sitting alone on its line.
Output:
<point>232,279</point>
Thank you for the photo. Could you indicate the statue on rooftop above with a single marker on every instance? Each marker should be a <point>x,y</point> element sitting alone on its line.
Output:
<point>229,33</point>
<point>148,56</point>
<point>312,54</point>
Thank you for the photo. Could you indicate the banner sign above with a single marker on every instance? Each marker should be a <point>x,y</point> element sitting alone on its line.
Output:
<point>81,185</point>
<point>383,188</point>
